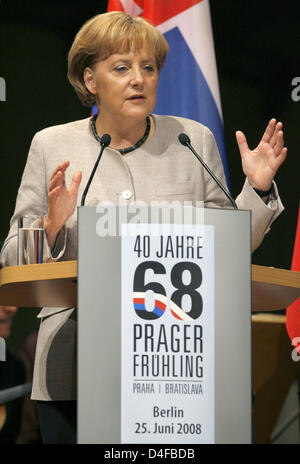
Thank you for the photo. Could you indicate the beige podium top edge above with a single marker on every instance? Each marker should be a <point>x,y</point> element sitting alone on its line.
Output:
<point>32,272</point>
<point>275,276</point>
<point>68,269</point>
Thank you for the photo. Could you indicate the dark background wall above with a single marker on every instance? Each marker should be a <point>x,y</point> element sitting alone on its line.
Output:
<point>257,48</point>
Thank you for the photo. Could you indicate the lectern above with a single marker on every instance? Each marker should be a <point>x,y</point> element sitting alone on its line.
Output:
<point>164,324</point>
<point>164,329</point>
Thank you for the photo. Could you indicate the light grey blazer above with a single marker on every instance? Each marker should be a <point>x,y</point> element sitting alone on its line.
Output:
<point>161,169</point>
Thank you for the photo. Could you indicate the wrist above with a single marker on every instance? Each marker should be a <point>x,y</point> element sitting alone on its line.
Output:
<point>263,192</point>
<point>51,231</point>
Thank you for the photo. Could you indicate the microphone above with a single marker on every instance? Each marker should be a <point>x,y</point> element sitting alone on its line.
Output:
<point>185,140</point>
<point>105,141</point>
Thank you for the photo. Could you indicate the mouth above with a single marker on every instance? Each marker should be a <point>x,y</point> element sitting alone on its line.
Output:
<point>137,97</point>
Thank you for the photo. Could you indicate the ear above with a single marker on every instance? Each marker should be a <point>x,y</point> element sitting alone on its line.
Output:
<point>89,80</point>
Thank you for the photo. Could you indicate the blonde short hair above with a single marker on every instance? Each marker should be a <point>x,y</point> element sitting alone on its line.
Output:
<point>105,34</point>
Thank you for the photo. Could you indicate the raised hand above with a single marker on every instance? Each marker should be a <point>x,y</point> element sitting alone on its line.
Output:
<point>261,164</point>
<point>61,201</point>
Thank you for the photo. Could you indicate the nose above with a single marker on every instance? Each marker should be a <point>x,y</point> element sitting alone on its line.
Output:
<point>137,77</point>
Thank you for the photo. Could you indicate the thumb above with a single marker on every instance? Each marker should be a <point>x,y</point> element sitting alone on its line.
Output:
<point>242,142</point>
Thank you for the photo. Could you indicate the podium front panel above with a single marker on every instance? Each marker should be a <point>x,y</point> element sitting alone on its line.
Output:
<point>100,337</point>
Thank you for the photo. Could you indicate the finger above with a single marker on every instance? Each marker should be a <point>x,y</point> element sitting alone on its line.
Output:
<point>279,144</point>
<point>62,167</point>
<point>59,179</point>
<point>52,197</point>
<point>280,159</point>
<point>242,142</point>
<point>273,140</point>
<point>269,132</point>
<point>76,179</point>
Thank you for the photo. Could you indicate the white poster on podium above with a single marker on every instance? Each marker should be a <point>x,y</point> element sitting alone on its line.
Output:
<point>167,390</point>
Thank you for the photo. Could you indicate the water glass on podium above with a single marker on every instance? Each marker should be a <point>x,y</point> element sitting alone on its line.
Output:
<point>30,239</point>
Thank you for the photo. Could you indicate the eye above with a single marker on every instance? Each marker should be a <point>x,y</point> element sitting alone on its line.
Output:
<point>149,67</point>
<point>120,68</point>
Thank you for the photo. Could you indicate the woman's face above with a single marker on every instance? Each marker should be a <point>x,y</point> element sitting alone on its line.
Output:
<point>125,84</point>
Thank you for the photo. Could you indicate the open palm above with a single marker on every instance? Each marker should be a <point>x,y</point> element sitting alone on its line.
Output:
<point>261,164</point>
<point>61,201</point>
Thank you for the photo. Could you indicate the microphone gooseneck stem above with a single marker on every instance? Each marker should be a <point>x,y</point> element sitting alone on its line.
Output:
<point>212,175</point>
<point>104,144</point>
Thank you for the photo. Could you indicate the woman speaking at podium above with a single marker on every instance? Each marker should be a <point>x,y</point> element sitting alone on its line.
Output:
<point>114,63</point>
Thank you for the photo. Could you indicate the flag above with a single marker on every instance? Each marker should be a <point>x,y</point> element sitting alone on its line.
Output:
<point>293,311</point>
<point>188,84</point>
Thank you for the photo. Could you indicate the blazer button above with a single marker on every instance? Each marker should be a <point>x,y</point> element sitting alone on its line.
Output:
<point>126,195</point>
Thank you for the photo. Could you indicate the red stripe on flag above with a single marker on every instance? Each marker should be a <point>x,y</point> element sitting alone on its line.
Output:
<point>293,311</point>
<point>140,3</point>
<point>156,12</point>
<point>296,253</point>
<point>115,5</point>
<point>159,12</point>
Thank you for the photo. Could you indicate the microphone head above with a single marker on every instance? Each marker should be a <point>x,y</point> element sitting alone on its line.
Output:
<point>184,139</point>
<point>105,140</point>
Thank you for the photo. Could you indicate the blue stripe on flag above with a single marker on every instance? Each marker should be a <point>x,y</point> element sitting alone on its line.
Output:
<point>183,91</point>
